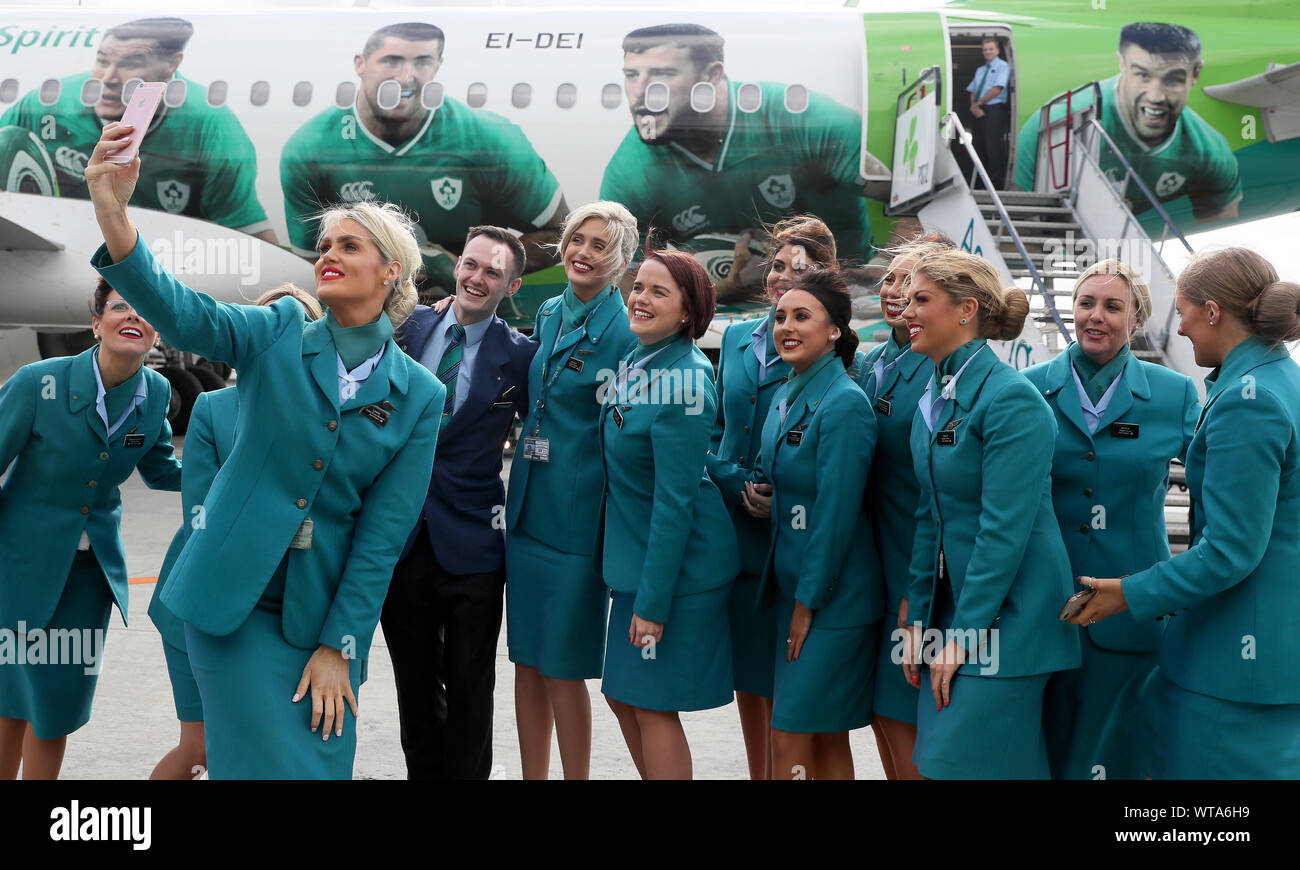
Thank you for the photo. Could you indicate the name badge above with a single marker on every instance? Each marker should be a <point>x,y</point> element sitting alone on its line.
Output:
<point>536,449</point>
<point>1124,430</point>
<point>794,438</point>
<point>884,406</point>
<point>375,414</point>
<point>132,441</point>
<point>302,537</point>
<point>574,363</point>
<point>618,418</point>
<point>945,438</point>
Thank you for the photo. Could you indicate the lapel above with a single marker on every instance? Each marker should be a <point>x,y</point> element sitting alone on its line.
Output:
<point>390,370</point>
<point>595,324</point>
<point>485,380</point>
<point>805,404</point>
<point>968,389</point>
<point>1250,354</point>
<point>323,363</point>
<point>1059,387</point>
<point>1134,385</point>
<point>909,363</point>
<point>82,391</point>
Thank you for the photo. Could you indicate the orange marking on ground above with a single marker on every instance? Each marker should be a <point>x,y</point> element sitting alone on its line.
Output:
<point>135,580</point>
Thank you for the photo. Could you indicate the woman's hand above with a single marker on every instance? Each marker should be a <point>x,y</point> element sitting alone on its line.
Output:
<point>800,625</point>
<point>441,305</point>
<point>643,632</point>
<point>111,186</point>
<point>1108,601</point>
<point>943,670</point>
<point>757,499</point>
<point>327,675</point>
<point>911,648</point>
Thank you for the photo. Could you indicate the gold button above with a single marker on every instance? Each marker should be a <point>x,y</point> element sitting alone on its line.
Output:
<point>332,425</point>
<point>103,456</point>
<point>84,510</point>
<point>746,430</point>
<point>1090,456</point>
<point>1088,492</point>
<point>301,503</point>
<point>93,484</point>
<point>753,400</point>
<point>1083,530</point>
<point>317,464</point>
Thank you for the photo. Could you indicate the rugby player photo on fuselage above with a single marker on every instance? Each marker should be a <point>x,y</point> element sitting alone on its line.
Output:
<point>450,166</point>
<point>702,159</point>
<point>1144,110</point>
<point>196,159</point>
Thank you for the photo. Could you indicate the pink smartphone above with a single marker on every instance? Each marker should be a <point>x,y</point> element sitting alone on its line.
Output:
<point>139,113</point>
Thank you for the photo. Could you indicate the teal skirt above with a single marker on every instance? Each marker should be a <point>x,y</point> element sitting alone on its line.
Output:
<point>992,728</point>
<point>185,691</point>
<point>828,689</point>
<point>895,697</point>
<point>689,669</point>
<point>252,728</point>
<point>55,693</point>
<point>556,606</point>
<point>752,625</point>
<point>1188,735</point>
<point>1092,714</point>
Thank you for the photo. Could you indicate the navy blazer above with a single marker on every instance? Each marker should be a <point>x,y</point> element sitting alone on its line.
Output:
<point>465,506</point>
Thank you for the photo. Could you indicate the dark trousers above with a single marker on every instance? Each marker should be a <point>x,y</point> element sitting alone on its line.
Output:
<point>990,136</point>
<point>442,631</point>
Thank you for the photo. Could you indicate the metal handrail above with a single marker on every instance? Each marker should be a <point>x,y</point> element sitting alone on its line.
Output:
<point>964,138</point>
<point>1045,127</point>
<point>1132,173</point>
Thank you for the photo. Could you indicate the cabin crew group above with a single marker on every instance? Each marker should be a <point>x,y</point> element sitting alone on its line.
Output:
<point>835,539</point>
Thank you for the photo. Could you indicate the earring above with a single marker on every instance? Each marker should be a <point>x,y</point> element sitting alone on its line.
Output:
<point>963,321</point>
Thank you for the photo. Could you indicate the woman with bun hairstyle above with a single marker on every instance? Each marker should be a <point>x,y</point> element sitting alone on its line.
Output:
<point>281,584</point>
<point>556,600</point>
<point>750,374</point>
<point>821,567</point>
<point>896,378</point>
<point>1119,422</point>
<point>1224,702</point>
<point>72,429</point>
<point>208,442</point>
<point>989,570</point>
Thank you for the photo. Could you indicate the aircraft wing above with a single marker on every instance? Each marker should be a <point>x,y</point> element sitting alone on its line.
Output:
<point>1277,92</point>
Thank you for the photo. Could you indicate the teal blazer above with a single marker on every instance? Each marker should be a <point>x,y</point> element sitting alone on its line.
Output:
<point>299,454</point>
<point>1108,491</point>
<point>743,402</point>
<point>666,533</point>
<point>1239,581</point>
<point>821,550</point>
<point>559,502</point>
<point>64,480</point>
<point>987,501</point>
<point>892,490</point>
<point>208,443</point>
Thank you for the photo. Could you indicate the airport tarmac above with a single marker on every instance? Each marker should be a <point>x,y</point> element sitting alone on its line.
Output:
<point>134,721</point>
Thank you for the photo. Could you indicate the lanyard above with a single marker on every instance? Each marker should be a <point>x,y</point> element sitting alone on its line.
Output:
<point>539,406</point>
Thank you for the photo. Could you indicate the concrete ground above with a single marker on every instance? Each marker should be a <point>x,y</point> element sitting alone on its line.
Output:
<point>134,724</point>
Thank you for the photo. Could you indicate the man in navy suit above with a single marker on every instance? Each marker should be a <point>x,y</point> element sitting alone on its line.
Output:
<point>443,612</point>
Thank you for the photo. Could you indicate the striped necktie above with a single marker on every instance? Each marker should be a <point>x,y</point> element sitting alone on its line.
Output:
<point>449,367</point>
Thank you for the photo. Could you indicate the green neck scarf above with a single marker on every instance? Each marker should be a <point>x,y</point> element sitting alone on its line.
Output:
<point>797,382</point>
<point>644,350</point>
<point>117,398</point>
<point>574,311</point>
<point>771,354</point>
<point>356,344</point>
<point>893,350</point>
<point>953,362</point>
<point>1096,379</point>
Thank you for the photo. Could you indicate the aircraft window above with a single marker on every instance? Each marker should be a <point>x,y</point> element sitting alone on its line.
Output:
<point>389,94</point>
<point>431,95</point>
<point>703,96</point>
<point>129,88</point>
<point>49,94</point>
<point>656,97</point>
<point>611,96</point>
<point>259,93</point>
<point>796,98</point>
<point>174,95</point>
<point>749,97</point>
<point>345,94</point>
<point>302,94</point>
<point>217,92</point>
<point>8,90</point>
<point>521,95</point>
<point>566,95</point>
<point>476,96</point>
<point>91,89</point>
